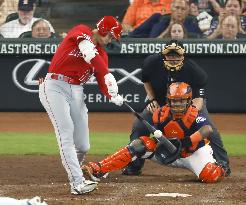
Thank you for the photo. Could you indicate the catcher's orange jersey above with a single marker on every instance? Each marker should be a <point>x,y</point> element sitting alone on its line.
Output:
<point>191,122</point>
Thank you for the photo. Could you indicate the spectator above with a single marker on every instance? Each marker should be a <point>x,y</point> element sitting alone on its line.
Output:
<point>158,23</point>
<point>7,7</point>
<point>244,7</point>
<point>41,29</point>
<point>140,10</point>
<point>232,7</point>
<point>174,31</point>
<point>229,29</point>
<point>193,9</point>
<point>212,7</point>
<point>204,10</point>
<point>15,28</point>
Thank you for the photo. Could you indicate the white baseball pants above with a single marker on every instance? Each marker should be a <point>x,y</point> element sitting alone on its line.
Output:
<point>68,113</point>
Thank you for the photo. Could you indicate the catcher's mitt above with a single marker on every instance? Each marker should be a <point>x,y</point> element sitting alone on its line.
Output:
<point>163,155</point>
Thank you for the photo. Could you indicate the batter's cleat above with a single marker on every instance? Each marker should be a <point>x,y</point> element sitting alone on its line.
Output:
<point>86,187</point>
<point>90,171</point>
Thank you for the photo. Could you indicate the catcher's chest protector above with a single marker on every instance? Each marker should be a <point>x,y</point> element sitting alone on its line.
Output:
<point>172,128</point>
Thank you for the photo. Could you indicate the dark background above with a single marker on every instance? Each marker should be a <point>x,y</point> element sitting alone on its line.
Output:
<point>225,91</point>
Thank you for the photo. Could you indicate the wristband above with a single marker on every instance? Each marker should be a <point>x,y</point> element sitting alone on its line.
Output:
<point>191,140</point>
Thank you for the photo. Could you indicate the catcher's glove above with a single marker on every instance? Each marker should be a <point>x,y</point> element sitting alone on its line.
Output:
<point>163,155</point>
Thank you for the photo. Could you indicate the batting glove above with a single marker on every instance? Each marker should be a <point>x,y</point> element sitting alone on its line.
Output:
<point>118,100</point>
<point>111,85</point>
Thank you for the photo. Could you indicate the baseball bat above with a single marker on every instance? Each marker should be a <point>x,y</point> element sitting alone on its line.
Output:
<point>171,148</point>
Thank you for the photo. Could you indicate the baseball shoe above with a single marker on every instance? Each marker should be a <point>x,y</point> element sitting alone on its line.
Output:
<point>130,172</point>
<point>36,201</point>
<point>226,168</point>
<point>86,187</point>
<point>134,168</point>
<point>89,171</point>
<point>228,172</point>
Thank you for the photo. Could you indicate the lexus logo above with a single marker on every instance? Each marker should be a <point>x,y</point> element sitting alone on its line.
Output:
<point>26,73</point>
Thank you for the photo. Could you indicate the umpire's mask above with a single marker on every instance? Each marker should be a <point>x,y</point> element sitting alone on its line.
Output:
<point>173,55</point>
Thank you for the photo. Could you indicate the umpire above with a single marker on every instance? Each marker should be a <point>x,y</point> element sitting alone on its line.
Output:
<point>159,71</point>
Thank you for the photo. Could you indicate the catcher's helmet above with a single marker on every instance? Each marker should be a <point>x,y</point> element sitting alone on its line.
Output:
<point>109,24</point>
<point>173,54</point>
<point>179,97</point>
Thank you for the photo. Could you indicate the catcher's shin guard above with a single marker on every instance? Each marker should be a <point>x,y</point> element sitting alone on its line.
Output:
<point>211,173</point>
<point>116,161</point>
<point>111,163</point>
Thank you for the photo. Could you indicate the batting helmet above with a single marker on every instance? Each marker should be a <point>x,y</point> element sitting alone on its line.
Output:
<point>109,24</point>
<point>173,54</point>
<point>179,96</point>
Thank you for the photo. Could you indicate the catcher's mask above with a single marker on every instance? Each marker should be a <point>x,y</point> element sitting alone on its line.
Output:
<point>173,55</point>
<point>179,97</point>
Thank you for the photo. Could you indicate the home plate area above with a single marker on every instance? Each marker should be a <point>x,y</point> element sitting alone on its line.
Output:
<point>168,195</point>
<point>29,176</point>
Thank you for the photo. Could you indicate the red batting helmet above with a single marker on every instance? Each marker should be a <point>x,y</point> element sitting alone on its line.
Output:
<point>109,24</point>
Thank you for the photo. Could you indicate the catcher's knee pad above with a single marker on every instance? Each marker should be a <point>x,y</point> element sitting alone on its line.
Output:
<point>211,173</point>
<point>140,146</point>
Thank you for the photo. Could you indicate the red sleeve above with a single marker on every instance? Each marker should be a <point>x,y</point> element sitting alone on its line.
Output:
<point>80,33</point>
<point>100,70</point>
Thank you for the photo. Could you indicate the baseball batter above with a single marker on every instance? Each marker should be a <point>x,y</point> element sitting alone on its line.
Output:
<point>178,120</point>
<point>79,56</point>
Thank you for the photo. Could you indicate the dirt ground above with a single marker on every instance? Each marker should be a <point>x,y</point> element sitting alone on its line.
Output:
<point>28,176</point>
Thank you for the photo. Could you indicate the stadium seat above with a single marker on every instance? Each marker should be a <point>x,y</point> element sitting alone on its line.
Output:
<point>11,17</point>
<point>28,34</point>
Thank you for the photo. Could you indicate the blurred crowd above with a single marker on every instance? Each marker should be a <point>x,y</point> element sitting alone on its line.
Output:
<point>168,19</point>
<point>18,21</point>
<point>180,19</point>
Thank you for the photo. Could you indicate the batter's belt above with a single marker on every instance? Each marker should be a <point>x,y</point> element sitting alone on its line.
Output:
<point>64,78</point>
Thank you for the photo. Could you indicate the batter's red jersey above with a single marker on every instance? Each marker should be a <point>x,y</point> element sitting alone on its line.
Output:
<point>68,59</point>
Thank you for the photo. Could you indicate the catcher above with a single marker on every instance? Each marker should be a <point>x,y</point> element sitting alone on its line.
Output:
<point>184,126</point>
